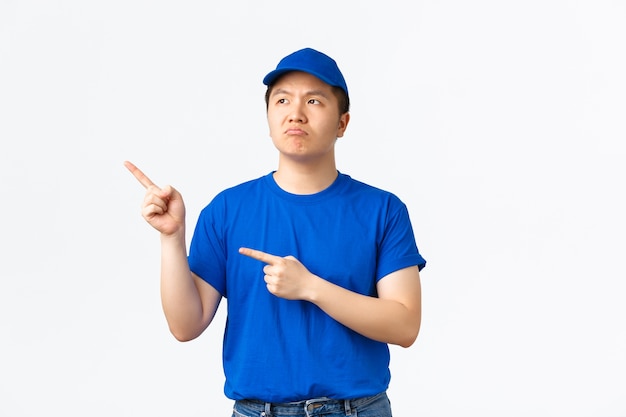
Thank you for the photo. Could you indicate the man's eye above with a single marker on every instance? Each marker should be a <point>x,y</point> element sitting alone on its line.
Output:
<point>282,100</point>
<point>314,101</point>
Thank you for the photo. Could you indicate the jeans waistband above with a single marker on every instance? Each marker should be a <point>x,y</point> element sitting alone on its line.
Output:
<point>312,407</point>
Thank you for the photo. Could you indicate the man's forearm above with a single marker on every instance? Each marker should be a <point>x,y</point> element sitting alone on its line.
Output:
<point>385,320</point>
<point>179,295</point>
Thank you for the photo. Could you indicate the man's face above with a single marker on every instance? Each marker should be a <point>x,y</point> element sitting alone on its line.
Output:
<point>303,117</point>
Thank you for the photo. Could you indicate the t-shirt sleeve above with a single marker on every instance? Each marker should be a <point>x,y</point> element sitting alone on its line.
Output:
<point>207,254</point>
<point>398,248</point>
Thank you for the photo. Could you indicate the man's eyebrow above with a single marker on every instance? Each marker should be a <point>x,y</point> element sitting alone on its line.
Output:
<point>320,93</point>
<point>279,91</point>
<point>317,93</point>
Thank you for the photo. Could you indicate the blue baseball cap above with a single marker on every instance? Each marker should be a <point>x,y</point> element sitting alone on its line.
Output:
<point>313,62</point>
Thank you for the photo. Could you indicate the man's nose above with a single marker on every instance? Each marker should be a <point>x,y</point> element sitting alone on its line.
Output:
<point>297,114</point>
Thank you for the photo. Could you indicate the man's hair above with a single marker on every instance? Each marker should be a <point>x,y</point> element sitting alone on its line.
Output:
<point>342,98</point>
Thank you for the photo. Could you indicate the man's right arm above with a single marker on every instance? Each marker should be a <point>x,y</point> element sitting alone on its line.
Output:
<point>189,303</point>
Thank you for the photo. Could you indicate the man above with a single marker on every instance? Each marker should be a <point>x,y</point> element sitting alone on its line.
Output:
<point>321,272</point>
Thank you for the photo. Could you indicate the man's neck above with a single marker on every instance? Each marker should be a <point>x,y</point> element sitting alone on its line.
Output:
<point>305,179</point>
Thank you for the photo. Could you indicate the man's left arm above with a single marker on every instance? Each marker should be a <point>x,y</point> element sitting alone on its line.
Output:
<point>392,317</point>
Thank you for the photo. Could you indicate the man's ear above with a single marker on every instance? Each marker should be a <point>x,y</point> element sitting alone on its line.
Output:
<point>343,124</point>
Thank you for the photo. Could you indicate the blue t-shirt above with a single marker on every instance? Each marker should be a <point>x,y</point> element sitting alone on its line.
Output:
<point>279,350</point>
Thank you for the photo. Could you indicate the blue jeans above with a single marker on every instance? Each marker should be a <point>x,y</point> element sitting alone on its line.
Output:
<point>375,406</point>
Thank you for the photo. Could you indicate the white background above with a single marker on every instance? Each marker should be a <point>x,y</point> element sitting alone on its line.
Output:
<point>501,124</point>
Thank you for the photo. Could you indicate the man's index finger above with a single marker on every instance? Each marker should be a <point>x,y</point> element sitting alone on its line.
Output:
<point>259,255</point>
<point>137,173</point>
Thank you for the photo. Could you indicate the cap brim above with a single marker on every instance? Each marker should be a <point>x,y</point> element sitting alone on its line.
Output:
<point>274,75</point>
